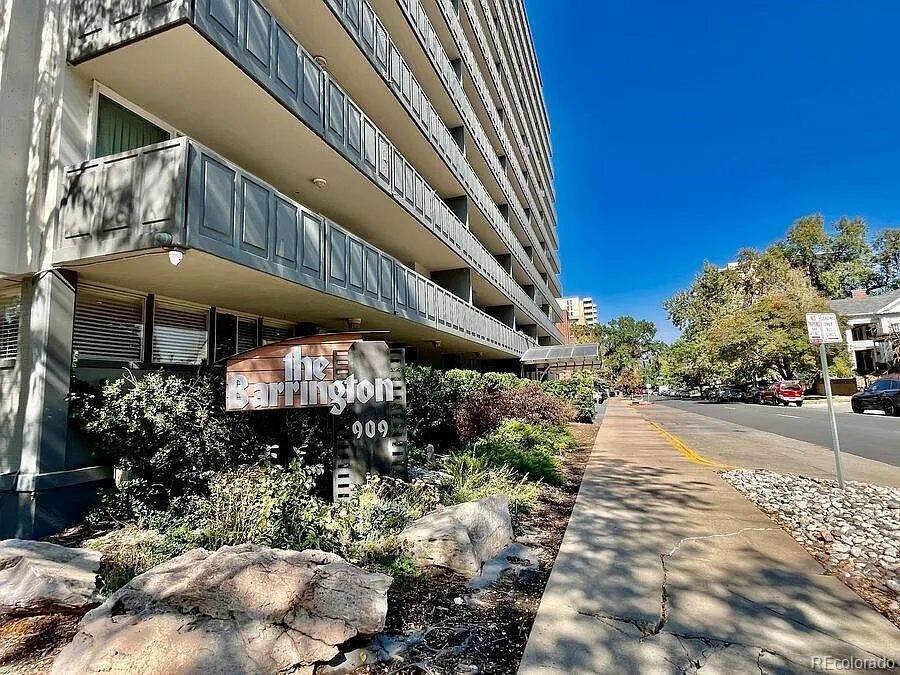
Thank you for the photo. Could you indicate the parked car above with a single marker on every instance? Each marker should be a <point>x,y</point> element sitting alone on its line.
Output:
<point>729,393</point>
<point>755,393</point>
<point>880,395</point>
<point>783,393</point>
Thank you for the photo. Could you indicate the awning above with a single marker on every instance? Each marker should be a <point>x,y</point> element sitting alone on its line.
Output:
<point>563,356</point>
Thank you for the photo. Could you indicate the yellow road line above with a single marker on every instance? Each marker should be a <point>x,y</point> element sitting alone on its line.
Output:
<point>679,445</point>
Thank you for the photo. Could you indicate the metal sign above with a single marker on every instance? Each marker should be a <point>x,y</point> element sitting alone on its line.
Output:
<point>360,382</point>
<point>823,328</point>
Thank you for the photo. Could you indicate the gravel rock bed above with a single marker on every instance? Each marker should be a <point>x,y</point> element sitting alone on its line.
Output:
<point>854,533</point>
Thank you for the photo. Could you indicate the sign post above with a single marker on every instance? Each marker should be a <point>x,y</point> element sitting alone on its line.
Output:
<point>823,328</point>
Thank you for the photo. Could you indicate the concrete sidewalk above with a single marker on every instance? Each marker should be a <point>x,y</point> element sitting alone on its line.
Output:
<point>666,569</point>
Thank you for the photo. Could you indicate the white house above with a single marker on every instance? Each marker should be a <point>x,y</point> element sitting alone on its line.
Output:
<point>870,319</point>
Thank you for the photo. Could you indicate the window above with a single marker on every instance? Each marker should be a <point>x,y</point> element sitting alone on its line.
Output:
<point>180,334</point>
<point>108,325</point>
<point>10,310</point>
<point>234,334</point>
<point>120,129</point>
<point>863,332</point>
<point>273,334</point>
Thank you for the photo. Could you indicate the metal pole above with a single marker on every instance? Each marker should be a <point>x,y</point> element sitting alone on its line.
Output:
<point>836,443</point>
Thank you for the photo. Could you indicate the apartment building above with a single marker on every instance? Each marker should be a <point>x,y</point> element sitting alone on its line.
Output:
<point>186,179</point>
<point>581,311</point>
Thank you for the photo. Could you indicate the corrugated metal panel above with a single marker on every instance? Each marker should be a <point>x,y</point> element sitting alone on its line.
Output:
<point>108,326</point>
<point>180,334</point>
<point>10,311</point>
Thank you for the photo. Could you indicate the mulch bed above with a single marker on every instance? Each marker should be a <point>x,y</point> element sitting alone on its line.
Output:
<point>29,644</point>
<point>487,633</point>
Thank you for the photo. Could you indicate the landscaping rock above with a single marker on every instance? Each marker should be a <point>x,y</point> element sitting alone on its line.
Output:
<point>37,577</point>
<point>461,537</point>
<point>241,609</point>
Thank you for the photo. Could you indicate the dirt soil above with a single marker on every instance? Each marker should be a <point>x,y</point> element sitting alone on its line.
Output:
<point>487,632</point>
<point>29,644</point>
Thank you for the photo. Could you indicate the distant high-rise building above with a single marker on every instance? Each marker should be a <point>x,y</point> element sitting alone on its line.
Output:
<point>581,311</point>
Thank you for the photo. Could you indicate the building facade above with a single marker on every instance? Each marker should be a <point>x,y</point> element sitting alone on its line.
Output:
<point>581,311</point>
<point>186,179</point>
<point>873,330</point>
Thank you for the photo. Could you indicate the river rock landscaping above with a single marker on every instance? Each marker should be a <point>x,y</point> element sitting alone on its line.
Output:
<point>854,533</point>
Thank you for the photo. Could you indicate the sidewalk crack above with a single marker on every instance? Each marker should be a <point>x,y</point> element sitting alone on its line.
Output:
<point>686,540</point>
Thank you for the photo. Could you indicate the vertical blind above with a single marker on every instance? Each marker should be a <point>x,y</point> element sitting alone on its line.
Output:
<point>179,334</point>
<point>108,326</point>
<point>10,309</point>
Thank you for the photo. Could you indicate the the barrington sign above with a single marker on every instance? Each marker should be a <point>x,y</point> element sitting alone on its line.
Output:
<point>300,373</point>
<point>359,380</point>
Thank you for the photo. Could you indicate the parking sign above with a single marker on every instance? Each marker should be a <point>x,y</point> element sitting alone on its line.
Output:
<point>823,328</point>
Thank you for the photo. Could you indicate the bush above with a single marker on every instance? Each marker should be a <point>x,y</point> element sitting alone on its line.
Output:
<point>169,433</point>
<point>471,478</point>
<point>429,413</point>
<point>530,449</point>
<point>579,390</point>
<point>128,552</point>
<point>485,410</point>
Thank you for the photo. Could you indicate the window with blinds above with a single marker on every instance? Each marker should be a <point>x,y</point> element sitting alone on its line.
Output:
<point>108,326</point>
<point>246,336</point>
<point>180,334</point>
<point>10,311</point>
<point>273,334</point>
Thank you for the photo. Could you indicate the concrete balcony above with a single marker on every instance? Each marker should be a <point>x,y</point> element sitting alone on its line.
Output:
<point>248,84</point>
<point>250,246</point>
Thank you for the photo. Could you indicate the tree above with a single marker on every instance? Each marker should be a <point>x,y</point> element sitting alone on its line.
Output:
<point>806,245</point>
<point>628,349</point>
<point>850,261</point>
<point>886,251</point>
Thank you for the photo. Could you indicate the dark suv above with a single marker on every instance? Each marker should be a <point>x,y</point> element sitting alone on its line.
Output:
<point>880,395</point>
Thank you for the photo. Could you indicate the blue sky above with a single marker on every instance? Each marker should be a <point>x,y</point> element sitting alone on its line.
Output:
<point>683,131</point>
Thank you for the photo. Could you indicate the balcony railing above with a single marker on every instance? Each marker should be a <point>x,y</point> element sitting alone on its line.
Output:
<point>267,52</point>
<point>184,194</point>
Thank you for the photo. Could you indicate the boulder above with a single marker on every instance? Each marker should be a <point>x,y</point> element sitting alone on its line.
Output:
<point>461,537</point>
<point>37,577</point>
<point>241,609</point>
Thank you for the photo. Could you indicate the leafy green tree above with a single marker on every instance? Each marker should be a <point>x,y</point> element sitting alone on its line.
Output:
<point>806,245</point>
<point>850,260</point>
<point>886,251</point>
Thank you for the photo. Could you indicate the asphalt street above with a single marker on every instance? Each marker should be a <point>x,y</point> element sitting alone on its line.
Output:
<point>871,435</point>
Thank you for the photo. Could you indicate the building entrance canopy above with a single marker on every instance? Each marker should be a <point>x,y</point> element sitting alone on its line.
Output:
<point>546,360</point>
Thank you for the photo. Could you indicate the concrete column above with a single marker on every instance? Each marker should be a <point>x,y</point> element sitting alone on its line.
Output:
<point>529,252</point>
<point>46,351</point>
<point>503,313</point>
<point>457,281</point>
<point>53,484</point>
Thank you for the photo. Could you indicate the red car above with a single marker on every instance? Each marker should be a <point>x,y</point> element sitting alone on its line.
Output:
<point>783,393</point>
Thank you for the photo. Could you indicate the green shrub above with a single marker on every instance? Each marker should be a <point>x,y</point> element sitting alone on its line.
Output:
<point>530,449</point>
<point>473,478</point>
<point>169,433</point>
<point>579,390</point>
<point>485,410</point>
<point>429,407</point>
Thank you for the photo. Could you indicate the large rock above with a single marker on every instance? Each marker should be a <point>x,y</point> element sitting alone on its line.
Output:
<point>37,577</point>
<point>241,609</point>
<point>461,537</point>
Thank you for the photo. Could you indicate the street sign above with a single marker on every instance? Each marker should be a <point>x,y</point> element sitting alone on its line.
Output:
<point>823,328</point>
